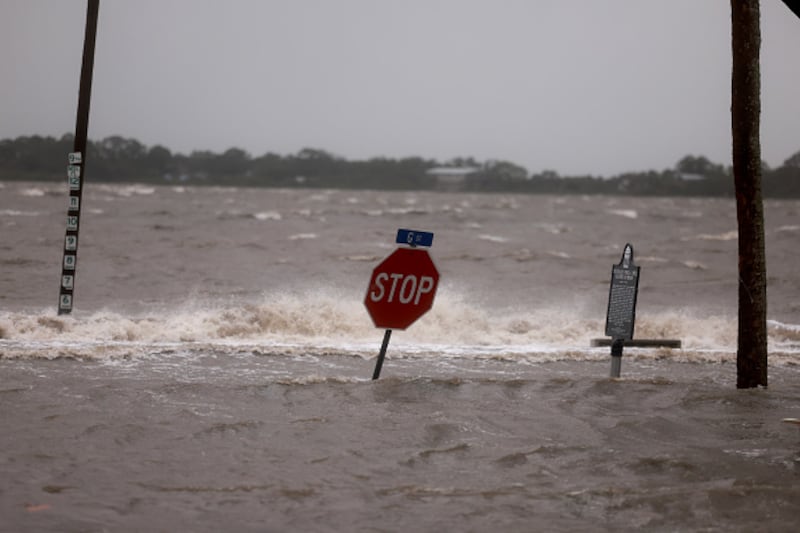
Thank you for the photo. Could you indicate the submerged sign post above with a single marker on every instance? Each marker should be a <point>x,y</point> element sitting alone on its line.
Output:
<point>402,287</point>
<point>621,313</point>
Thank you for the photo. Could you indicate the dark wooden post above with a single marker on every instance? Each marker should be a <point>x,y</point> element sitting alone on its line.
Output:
<point>751,354</point>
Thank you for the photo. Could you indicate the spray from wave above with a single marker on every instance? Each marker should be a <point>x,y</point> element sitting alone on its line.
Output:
<point>325,321</point>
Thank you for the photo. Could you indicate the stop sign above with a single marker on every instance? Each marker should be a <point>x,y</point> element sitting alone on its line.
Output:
<point>402,288</point>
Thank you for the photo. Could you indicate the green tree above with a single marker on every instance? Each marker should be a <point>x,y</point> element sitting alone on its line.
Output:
<point>699,165</point>
<point>793,161</point>
<point>233,162</point>
<point>158,160</point>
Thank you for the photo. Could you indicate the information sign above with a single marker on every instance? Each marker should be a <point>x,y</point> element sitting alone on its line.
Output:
<point>622,295</point>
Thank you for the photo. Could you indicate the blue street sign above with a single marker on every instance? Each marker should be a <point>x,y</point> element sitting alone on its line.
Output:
<point>414,238</point>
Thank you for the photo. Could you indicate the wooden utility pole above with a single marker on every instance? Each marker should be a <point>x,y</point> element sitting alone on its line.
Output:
<point>751,354</point>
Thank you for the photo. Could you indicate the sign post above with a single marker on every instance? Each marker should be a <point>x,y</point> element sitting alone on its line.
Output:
<point>402,288</point>
<point>76,164</point>
<point>621,313</point>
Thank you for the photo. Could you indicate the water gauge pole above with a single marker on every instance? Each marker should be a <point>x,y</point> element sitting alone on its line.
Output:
<point>77,164</point>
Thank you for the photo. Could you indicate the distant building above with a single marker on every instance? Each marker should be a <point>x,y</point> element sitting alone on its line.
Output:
<point>450,177</point>
<point>689,176</point>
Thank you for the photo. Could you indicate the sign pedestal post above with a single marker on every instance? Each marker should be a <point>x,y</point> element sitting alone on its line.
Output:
<point>616,357</point>
<point>382,355</point>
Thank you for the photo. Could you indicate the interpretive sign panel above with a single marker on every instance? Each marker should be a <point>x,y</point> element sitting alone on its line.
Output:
<point>621,313</point>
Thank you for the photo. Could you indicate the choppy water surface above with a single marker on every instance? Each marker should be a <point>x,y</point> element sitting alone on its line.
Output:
<point>215,373</point>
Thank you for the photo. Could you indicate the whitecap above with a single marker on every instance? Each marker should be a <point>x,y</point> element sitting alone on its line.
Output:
<point>130,190</point>
<point>627,213</point>
<point>364,258</point>
<point>268,215</point>
<point>302,236</point>
<point>727,236</point>
<point>492,238</point>
<point>16,213</point>
<point>560,255</point>
<point>694,265</point>
<point>407,211</point>
<point>651,259</point>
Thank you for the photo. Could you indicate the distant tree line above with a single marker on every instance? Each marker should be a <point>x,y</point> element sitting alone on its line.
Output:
<point>120,159</point>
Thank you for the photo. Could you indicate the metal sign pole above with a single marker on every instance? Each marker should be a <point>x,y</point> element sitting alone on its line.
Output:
<point>379,364</point>
<point>77,164</point>
<point>616,357</point>
<point>426,286</point>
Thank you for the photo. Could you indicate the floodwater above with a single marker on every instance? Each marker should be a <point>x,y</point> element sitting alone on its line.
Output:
<point>215,372</point>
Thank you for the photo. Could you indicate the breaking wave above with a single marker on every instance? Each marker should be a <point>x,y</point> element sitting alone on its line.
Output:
<point>328,323</point>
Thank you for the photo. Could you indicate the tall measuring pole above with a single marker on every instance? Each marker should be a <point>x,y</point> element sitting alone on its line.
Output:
<point>77,164</point>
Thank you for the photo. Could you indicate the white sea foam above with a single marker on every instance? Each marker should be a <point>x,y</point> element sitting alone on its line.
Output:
<point>268,215</point>
<point>17,213</point>
<point>651,259</point>
<point>320,197</point>
<point>32,192</point>
<point>727,236</point>
<point>364,258</point>
<point>407,211</point>
<point>326,322</point>
<point>627,213</point>
<point>133,190</point>
<point>694,265</point>
<point>492,238</point>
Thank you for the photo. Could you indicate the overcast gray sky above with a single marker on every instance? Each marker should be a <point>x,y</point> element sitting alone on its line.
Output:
<point>576,86</point>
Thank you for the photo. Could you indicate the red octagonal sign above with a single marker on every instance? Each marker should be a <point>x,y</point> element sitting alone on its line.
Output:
<point>402,288</point>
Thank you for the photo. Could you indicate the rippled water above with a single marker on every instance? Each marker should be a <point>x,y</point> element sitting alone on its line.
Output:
<point>215,372</point>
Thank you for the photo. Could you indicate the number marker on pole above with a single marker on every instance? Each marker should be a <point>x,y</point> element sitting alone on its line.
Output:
<point>76,164</point>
